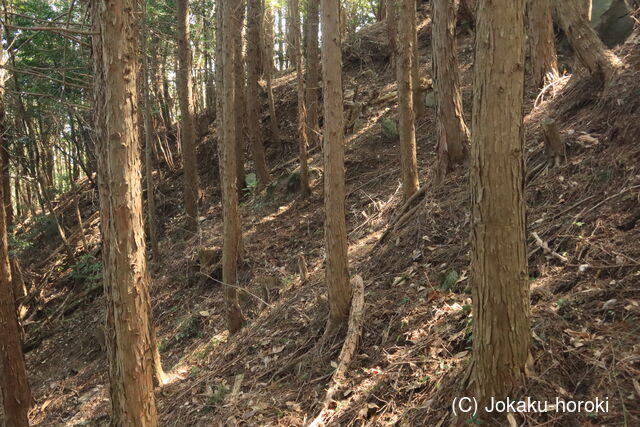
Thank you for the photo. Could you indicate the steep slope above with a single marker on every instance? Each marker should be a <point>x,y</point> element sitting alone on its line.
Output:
<point>414,353</point>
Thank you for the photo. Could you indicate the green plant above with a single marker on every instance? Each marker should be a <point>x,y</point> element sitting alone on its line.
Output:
<point>218,395</point>
<point>251,184</point>
<point>189,328</point>
<point>18,245</point>
<point>87,268</point>
<point>449,280</point>
<point>473,420</point>
<point>389,128</point>
<point>195,371</point>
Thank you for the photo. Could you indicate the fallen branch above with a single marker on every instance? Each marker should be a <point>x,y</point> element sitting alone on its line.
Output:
<point>356,320</point>
<point>546,249</point>
<point>400,217</point>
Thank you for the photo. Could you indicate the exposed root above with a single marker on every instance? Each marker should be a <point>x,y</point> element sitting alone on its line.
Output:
<point>354,332</point>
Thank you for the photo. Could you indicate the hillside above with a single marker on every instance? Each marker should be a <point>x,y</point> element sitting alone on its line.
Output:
<point>413,357</point>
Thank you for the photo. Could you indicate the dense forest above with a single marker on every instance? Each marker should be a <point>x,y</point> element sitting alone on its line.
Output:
<point>320,212</point>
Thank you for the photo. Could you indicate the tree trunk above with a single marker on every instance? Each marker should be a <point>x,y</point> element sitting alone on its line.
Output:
<point>501,330</point>
<point>240,96</point>
<point>542,43</point>
<point>267,63</point>
<point>586,43</point>
<point>418,102</point>
<point>280,37</point>
<point>407,127</point>
<point>254,18</point>
<point>586,7</point>
<point>220,93</point>
<point>337,264</point>
<point>125,269</point>
<point>294,34</point>
<point>166,95</point>
<point>16,394</point>
<point>148,142</point>
<point>392,31</point>
<point>231,226</point>
<point>453,134</point>
<point>312,74</point>
<point>187,125</point>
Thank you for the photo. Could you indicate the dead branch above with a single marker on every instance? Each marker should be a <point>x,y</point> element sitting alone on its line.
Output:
<point>546,249</point>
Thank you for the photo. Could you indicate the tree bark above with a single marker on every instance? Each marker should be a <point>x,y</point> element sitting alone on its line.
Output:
<point>125,269</point>
<point>148,142</point>
<point>453,134</point>
<point>418,102</point>
<point>295,49</point>
<point>239,93</point>
<point>282,60</point>
<point>231,222</point>
<point>16,393</point>
<point>312,74</point>
<point>337,265</point>
<point>407,127</point>
<point>267,62</point>
<point>586,7</point>
<point>187,124</point>
<point>501,330</point>
<point>392,31</point>
<point>586,43</point>
<point>542,42</point>
<point>254,18</point>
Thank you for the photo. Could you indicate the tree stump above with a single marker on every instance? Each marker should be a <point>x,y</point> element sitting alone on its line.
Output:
<point>553,144</point>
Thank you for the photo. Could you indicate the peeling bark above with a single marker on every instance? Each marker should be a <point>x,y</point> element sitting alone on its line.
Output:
<point>125,272</point>
<point>501,329</point>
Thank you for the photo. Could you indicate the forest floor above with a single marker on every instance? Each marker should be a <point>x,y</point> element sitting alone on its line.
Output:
<point>414,352</point>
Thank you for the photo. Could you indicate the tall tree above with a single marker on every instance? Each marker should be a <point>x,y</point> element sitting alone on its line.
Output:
<point>312,73</point>
<point>295,49</point>
<point>187,119</point>
<point>254,20</point>
<point>419,107</point>
<point>453,134</point>
<point>407,128</point>
<point>267,63</point>
<point>335,229</point>
<point>501,330</point>
<point>148,140</point>
<point>392,31</point>
<point>125,269</point>
<point>542,42</point>
<point>231,221</point>
<point>16,393</point>
<point>586,43</point>
<point>239,93</point>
